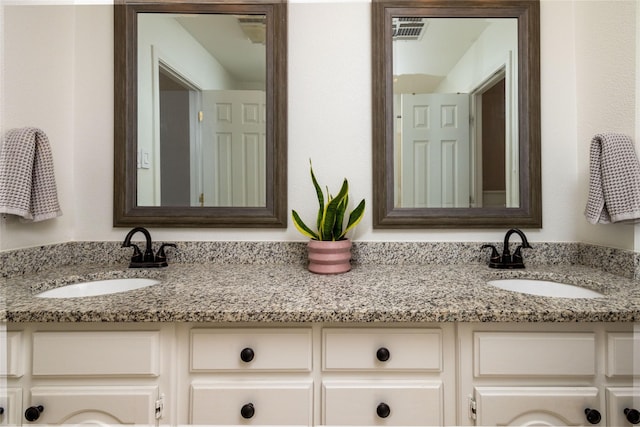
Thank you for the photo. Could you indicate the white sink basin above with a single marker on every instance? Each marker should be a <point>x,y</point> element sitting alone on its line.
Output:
<point>97,287</point>
<point>544,288</point>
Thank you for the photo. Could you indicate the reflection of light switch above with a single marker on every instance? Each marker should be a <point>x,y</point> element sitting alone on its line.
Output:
<point>144,159</point>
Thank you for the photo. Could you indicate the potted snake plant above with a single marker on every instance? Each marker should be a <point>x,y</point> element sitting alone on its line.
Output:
<point>329,247</point>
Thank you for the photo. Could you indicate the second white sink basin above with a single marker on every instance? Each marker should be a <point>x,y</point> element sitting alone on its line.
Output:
<point>544,288</point>
<point>97,287</point>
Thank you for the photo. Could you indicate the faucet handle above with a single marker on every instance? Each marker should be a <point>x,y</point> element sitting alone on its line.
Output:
<point>137,255</point>
<point>494,252</point>
<point>160,255</point>
<point>517,255</point>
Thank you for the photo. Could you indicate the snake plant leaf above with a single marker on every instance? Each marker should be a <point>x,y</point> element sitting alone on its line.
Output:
<point>331,212</point>
<point>339,222</point>
<point>302,227</point>
<point>319,195</point>
<point>354,218</point>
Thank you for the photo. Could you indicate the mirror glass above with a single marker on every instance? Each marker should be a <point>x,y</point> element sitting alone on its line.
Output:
<point>453,103</point>
<point>456,91</point>
<point>200,114</point>
<point>203,79</point>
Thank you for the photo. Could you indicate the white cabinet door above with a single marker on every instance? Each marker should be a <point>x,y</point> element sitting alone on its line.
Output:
<point>11,404</point>
<point>252,403</point>
<point>621,404</point>
<point>387,403</point>
<point>110,405</point>
<point>536,406</point>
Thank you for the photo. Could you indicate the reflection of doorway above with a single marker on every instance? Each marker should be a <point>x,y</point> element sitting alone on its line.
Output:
<point>174,140</point>
<point>495,149</point>
<point>493,146</point>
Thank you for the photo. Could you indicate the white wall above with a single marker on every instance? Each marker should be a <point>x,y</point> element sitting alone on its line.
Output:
<point>605,61</point>
<point>64,85</point>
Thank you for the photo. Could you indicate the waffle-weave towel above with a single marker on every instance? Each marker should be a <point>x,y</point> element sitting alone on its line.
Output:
<point>614,180</point>
<point>27,181</point>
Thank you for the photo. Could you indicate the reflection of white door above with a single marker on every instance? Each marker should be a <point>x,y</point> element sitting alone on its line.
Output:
<point>435,150</point>
<point>234,148</point>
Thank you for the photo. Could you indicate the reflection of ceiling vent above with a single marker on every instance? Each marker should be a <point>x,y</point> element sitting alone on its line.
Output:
<point>408,28</point>
<point>254,27</point>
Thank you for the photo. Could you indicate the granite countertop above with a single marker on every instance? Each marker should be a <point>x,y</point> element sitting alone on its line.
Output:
<point>289,293</point>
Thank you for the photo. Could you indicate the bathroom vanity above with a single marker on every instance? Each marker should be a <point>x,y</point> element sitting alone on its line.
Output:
<point>277,345</point>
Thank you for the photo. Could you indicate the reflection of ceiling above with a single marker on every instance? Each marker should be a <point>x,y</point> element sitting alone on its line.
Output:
<point>230,42</point>
<point>438,50</point>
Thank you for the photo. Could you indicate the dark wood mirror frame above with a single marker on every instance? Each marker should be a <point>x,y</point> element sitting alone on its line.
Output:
<point>529,214</point>
<point>126,211</point>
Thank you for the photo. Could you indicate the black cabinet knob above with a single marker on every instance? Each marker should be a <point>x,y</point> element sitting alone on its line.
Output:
<point>383,410</point>
<point>593,416</point>
<point>247,355</point>
<point>633,416</point>
<point>1,410</point>
<point>247,411</point>
<point>33,412</point>
<point>383,354</point>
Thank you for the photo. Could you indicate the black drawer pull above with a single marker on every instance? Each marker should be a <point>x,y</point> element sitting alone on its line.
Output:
<point>633,416</point>
<point>593,416</point>
<point>33,412</point>
<point>383,354</point>
<point>383,410</point>
<point>247,411</point>
<point>247,355</point>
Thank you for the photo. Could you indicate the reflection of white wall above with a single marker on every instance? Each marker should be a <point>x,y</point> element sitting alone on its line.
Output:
<point>185,55</point>
<point>483,58</point>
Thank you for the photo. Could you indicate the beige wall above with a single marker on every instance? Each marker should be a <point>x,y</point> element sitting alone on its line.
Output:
<point>58,76</point>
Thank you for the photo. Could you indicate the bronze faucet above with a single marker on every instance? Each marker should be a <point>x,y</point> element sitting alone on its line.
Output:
<point>506,260</point>
<point>148,259</point>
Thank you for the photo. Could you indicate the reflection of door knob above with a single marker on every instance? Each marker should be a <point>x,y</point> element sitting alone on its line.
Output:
<point>33,412</point>
<point>383,354</point>
<point>633,416</point>
<point>383,410</point>
<point>593,416</point>
<point>247,411</point>
<point>247,355</point>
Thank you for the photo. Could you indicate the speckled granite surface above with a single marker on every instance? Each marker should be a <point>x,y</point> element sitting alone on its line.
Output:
<point>24,261</point>
<point>220,292</point>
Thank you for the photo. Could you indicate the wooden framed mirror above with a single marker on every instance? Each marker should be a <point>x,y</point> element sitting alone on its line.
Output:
<point>456,114</point>
<point>200,113</point>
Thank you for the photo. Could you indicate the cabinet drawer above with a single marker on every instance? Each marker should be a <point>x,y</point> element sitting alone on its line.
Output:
<point>534,354</point>
<point>357,349</point>
<point>620,351</point>
<point>102,353</point>
<point>363,403</point>
<point>270,349</point>
<point>271,402</point>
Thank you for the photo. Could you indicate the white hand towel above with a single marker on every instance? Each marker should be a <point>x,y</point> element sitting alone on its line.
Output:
<point>614,180</point>
<point>27,181</point>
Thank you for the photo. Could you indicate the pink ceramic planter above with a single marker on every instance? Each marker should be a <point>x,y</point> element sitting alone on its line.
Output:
<point>327,257</point>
